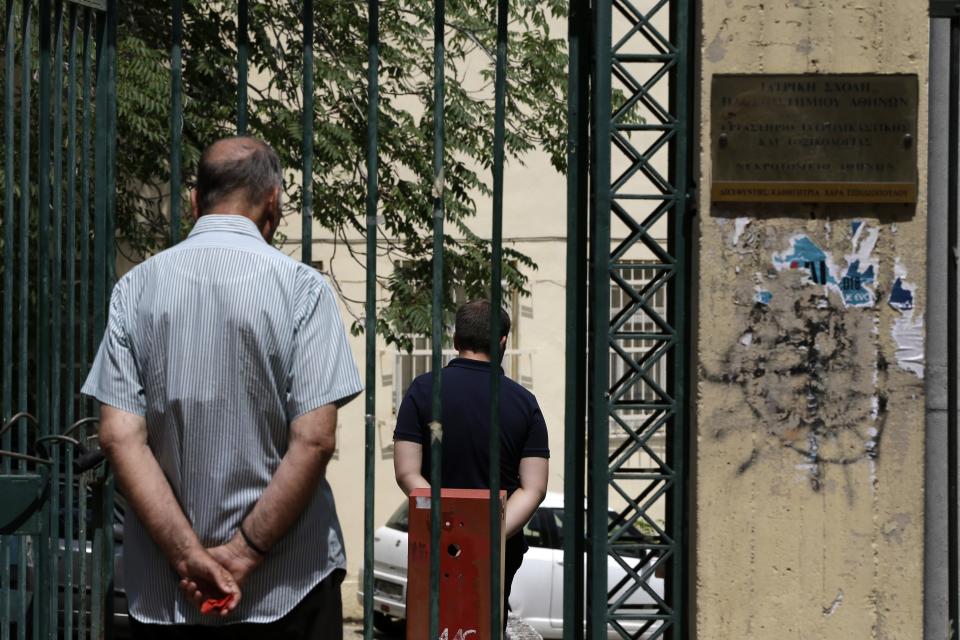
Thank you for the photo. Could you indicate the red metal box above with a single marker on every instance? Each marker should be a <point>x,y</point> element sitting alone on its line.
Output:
<point>465,551</point>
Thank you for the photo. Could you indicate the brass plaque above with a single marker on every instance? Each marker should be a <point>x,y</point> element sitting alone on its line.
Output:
<point>814,138</point>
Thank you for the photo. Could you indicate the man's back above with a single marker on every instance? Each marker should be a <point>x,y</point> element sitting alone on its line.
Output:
<point>222,342</point>
<point>466,425</point>
<point>466,409</point>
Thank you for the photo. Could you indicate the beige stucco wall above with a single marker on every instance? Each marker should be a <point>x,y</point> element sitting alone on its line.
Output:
<point>809,448</point>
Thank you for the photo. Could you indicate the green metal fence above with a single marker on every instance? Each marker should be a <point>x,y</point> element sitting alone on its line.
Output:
<point>56,503</point>
<point>629,195</point>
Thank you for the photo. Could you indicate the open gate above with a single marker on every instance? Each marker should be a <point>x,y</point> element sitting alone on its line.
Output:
<point>56,503</point>
<point>630,196</point>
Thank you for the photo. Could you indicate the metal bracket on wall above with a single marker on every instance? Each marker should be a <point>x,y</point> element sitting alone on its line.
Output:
<point>944,9</point>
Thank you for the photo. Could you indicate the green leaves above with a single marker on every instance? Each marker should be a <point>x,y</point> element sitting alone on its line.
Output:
<point>535,119</point>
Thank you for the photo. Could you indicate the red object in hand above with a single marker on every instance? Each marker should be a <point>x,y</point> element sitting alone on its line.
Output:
<point>214,605</point>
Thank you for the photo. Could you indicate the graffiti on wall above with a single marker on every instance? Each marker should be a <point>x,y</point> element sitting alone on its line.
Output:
<point>810,363</point>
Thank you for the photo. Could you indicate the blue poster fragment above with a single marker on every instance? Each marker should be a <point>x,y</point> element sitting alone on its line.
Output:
<point>854,282</point>
<point>852,285</point>
<point>763,297</point>
<point>901,298</point>
<point>808,256</point>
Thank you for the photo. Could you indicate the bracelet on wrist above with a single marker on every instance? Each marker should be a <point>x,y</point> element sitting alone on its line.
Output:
<point>250,543</point>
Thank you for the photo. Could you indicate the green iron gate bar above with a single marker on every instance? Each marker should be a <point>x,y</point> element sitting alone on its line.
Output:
<point>436,440</point>
<point>56,506</point>
<point>370,326</point>
<point>578,167</point>
<point>496,303</point>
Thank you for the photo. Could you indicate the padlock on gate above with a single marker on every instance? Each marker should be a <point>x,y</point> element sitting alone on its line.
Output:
<point>465,572</point>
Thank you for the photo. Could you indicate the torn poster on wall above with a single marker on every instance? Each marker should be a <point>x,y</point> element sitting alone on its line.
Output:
<point>856,284</point>
<point>907,332</point>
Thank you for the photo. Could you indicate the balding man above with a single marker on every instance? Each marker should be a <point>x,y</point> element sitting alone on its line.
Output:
<point>219,377</point>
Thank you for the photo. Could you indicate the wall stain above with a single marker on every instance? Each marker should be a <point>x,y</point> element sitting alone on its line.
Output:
<point>803,377</point>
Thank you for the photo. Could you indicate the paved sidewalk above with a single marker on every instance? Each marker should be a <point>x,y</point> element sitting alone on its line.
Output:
<point>517,629</point>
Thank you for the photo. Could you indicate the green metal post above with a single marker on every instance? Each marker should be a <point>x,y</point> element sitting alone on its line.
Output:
<point>97,591</point>
<point>44,328</point>
<point>100,181</point>
<point>599,296</point>
<point>56,269</point>
<point>44,608</point>
<point>104,177</point>
<point>44,590</point>
<point>681,90</point>
<point>243,51</point>
<point>306,242</point>
<point>85,328</point>
<point>9,226</point>
<point>85,102</point>
<point>436,440</point>
<point>176,119</point>
<point>111,150</point>
<point>23,321</point>
<point>9,264</point>
<point>496,303</point>
<point>71,231</point>
<point>70,540</point>
<point>57,265</point>
<point>106,520</point>
<point>82,627</point>
<point>370,328</point>
<point>101,628</point>
<point>104,209</point>
<point>578,115</point>
<point>69,390</point>
<point>23,328</point>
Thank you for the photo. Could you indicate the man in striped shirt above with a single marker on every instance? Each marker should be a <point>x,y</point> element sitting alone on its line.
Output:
<point>219,376</point>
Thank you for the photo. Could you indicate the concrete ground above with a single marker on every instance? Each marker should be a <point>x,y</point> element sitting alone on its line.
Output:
<point>517,629</point>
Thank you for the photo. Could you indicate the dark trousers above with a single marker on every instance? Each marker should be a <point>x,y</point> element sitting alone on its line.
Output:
<point>319,615</point>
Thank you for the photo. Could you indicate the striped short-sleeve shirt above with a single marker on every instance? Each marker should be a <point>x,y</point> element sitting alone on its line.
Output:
<point>220,343</point>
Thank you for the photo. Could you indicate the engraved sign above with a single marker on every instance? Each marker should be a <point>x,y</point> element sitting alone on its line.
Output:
<point>814,138</point>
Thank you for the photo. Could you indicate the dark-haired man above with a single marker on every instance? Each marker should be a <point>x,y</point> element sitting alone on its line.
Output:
<point>219,377</point>
<point>524,454</point>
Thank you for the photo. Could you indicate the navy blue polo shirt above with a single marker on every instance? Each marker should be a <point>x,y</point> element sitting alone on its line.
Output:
<point>466,425</point>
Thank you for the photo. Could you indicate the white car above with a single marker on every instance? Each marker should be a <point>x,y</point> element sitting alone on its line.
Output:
<point>539,607</point>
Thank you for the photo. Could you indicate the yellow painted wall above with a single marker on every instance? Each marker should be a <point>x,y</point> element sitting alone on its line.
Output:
<point>810,430</point>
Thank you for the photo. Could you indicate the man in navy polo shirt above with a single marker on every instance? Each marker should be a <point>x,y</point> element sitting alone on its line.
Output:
<point>524,454</point>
